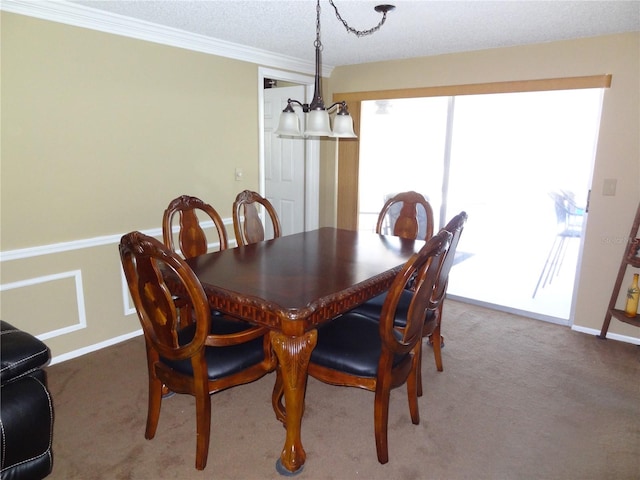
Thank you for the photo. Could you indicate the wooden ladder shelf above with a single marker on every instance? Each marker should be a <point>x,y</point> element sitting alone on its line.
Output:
<point>631,258</point>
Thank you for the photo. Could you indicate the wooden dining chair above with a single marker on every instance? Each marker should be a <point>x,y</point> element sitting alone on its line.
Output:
<point>192,239</point>
<point>433,319</point>
<point>357,351</point>
<point>251,230</point>
<point>407,215</point>
<point>209,355</point>
<point>433,316</point>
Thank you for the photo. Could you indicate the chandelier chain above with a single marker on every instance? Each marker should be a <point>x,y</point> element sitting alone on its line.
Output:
<point>358,33</point>
<point>318,42</point>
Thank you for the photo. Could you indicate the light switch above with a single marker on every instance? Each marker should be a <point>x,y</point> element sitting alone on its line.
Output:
<point>238,174</point>
<point>609,187</point>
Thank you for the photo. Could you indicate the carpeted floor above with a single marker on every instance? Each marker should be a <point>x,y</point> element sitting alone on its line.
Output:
<point>518,399</point>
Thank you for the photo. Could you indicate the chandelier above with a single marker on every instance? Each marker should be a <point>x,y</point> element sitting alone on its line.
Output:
<point>317,121</point>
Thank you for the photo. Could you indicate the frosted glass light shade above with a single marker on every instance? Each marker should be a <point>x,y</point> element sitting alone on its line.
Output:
<point>318,124</point>
<point>289,125</point>
<point>343,127</point>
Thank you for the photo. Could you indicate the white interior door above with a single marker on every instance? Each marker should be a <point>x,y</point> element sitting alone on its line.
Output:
<point>284,162</point>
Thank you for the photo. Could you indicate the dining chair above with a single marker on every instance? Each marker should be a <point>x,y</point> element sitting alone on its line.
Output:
<point>192,239</point>
<point>355,350</point>
<point>433,317</point>
<point>407,215</point>
<point>251,230</point>
<point>209,355</point>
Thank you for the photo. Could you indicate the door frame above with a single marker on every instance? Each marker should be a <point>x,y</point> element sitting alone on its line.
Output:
<point>312,150</point>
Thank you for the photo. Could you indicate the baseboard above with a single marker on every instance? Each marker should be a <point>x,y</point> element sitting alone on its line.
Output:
<point>612,336</point>
<point>93,348</point>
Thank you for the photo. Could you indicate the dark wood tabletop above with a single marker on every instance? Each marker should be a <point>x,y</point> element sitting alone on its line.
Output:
<point>309,276</point>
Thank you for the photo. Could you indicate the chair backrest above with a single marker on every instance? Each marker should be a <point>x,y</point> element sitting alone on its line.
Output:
<point>568,214</point>
<point>146,262</point>
<point>454,227</point>
<point>401,215</point>
<point>423,269</point>
<point>252,229</point>
<point>192,239</point>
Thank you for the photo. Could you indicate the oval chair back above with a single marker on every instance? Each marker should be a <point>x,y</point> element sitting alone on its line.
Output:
<point>247,224</point>
<point>192,240</point>
<point>407,215</point>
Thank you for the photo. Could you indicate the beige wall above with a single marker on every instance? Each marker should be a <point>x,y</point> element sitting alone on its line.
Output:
<point>618,152</point>
<point>99,132</point>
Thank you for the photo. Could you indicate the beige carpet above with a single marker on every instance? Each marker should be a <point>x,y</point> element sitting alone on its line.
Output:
<point>518,399</point>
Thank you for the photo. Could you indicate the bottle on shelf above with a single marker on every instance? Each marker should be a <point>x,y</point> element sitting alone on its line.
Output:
<point>633,295</point>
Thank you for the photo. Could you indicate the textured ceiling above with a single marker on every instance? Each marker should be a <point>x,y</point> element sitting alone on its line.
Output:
<point>413,29</point>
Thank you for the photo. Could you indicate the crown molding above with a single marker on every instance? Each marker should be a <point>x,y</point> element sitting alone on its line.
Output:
<point>80,16</point>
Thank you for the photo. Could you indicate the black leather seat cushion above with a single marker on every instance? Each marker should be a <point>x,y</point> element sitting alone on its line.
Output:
<point>21,352</point>
<point>222,361</point>
<point>27,427</point>
<point>350,343</point>
<point>373,307</point>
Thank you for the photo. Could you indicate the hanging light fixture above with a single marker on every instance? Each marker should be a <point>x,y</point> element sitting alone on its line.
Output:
<point>318,123</point>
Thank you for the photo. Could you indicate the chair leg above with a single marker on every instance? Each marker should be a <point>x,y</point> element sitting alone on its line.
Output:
<point>412,386</point>
<point>436,343</point>
<point>436,339</point>
<point>153,411</point>
<point>562,254</point>
<point>381,421</point>
<point>203,428</point>
<point>555,263</point>
<point>419,380</point>
<point>546,268</point>
<point>381,411</point>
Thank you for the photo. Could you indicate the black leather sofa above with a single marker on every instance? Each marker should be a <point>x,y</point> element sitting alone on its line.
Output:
<point>26,409</point>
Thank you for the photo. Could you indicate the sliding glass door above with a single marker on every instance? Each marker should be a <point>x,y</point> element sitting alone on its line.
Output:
<point>402,147</point>
<point>518,163</point>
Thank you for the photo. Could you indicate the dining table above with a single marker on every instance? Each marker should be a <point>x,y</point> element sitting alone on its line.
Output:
<point>292,284</point>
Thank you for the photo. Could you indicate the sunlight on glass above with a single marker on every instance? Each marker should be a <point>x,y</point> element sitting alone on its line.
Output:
<point>511,155</point>
<point>402,146</point>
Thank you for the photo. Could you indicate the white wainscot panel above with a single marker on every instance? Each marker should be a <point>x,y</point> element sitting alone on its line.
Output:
<point>80,316</point>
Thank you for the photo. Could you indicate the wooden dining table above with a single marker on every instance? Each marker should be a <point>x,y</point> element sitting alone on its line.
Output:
<point>292,284</point>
